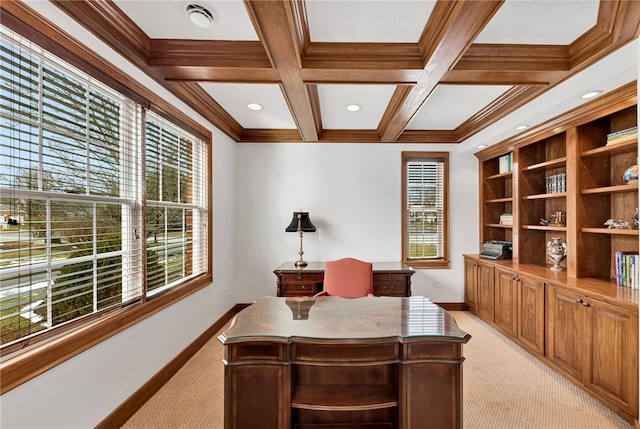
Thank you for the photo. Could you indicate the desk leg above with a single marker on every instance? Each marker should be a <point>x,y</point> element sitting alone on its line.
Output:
<point>257,396</point>
<point>431,396</point>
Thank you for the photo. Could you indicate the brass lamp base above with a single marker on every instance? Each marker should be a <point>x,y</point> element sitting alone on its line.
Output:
<point>301,263</point>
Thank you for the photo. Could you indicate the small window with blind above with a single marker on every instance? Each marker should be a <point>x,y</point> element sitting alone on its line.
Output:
<point>425,211</point>
<point>76,156</point>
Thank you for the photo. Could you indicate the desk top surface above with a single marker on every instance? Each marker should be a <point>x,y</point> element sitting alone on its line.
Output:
<point>319,267</point>
<point>336,318</point>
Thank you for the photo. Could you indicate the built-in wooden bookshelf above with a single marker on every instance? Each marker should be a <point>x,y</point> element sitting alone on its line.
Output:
<point>572,149</point>
<point>578,320</point>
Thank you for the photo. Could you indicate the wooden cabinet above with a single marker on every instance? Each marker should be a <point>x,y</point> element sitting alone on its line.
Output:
<point>479,287</point>
<point>566,330</point>
<point>518,307</point>
<point>531,313</point>
<point>596,343</point>
<point>505,314</point>
<point>389,279</point>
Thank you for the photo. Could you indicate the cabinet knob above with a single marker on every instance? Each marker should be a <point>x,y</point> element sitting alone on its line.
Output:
<point>299,276</point>
<point>388,275</point>
<point>585,304</point>
<point>304,286</point>
<point>388,288</point>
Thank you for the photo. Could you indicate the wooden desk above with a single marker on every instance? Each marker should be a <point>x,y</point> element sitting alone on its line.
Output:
<point>374,362</point>
<point>389,279</point>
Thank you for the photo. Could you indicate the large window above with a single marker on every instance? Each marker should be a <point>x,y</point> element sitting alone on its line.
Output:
<point>425,212</point>
<point>102,203</point>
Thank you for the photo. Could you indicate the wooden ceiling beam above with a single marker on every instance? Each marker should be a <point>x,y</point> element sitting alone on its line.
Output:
<point>451,29</point>
<point>277,24</point>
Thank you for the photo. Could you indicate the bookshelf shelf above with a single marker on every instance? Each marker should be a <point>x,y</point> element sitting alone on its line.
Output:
<point>500,200</point>
<point>607,231</point>
<point>544,228</point>
<point>499,225</point>
<point>500,176</point>
<point>545,196</point>
<point>611,189</point>
<point>547,165</point>
<point>626,147</point>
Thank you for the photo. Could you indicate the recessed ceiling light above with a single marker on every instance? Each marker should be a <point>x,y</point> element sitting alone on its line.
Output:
<point>200,15</point>
<point>591,94</point>
<point>522,127</point>
<point>482,146</point>
<point>353,107</point>
<point>254,106</point>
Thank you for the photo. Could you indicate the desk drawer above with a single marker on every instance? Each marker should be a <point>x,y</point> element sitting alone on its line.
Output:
<point>299,288</point>
<point>389,277</point>
<point>302,277</point>
<point>388,289</point>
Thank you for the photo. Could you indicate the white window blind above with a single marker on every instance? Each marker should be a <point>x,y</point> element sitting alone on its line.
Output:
<point>176,204</point>
<point>70,193</point>
<point>425,211</point>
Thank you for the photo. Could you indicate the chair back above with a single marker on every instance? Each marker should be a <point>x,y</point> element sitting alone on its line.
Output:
<point>348,278</point>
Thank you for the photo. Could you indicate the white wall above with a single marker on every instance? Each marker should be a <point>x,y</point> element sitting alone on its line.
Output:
<point>353,195</point>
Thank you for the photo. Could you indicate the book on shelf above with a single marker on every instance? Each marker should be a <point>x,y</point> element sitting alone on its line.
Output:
<point>505,163</point>
<point>627,269</point>
<point>556,183</point>
<point>622,136</point>
<point>506,219</point>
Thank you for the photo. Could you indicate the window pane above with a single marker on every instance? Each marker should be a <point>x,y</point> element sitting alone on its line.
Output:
<point>176,236</point>
<point>425,211</point>
<point>65,141</point>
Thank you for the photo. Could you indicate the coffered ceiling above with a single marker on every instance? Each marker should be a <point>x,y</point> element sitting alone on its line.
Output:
<point>421,71</point>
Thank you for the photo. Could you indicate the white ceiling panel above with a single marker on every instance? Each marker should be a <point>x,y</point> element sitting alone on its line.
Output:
<point>161,19</point>
<point>234,97</point>
<point>449,106</point>
<point>545,22</point>
<point>367,21</point>
<point>372,99</point>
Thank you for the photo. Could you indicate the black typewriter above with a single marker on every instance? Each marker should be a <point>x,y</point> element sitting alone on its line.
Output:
<point>496,249</point>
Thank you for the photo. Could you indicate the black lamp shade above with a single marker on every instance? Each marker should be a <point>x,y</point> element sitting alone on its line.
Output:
<point>305,223</point>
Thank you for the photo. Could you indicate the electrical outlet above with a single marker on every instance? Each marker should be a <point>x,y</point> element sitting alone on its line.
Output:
<point>436,284</point>
<point>226,292</point>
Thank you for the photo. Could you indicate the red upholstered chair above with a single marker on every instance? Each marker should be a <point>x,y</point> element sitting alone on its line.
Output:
<point>348,278</point>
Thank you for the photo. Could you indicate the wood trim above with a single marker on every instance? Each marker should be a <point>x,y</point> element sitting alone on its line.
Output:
<point>202,103</point>
<point>499,108</point>
<point>27,364</point>
<point>127,409</point>
<point>622,97</point>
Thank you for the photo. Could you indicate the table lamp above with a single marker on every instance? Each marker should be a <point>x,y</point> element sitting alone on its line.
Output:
<point>300,224</point>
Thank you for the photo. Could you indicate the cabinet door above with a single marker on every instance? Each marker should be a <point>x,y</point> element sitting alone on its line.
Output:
<point>566,328</point>
<point>531,313</point>
<point>470,282</point>
<point>613,363</point>
<point>484,296</point>
<point>506,301</point>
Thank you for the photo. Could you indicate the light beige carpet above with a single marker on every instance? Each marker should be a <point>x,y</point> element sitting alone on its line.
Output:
<point>505,387</point>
